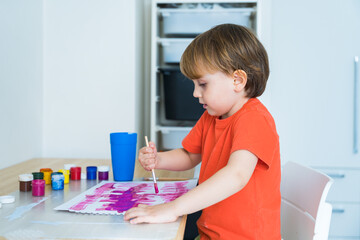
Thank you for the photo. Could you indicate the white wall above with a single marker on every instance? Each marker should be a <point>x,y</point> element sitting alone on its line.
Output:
<point>70,73</point>
<point>89,75</point>
<point>20,80</point>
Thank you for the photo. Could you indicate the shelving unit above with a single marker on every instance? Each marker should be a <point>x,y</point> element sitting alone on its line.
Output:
<point>174,24</point>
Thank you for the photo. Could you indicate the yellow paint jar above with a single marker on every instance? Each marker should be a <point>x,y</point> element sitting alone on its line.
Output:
<point>47,174</point>
<point>66,175</point>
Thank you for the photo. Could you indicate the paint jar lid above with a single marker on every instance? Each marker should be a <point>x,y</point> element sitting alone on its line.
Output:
<point>38,175</point>
<point>103,168</point>
<point>26,177</point>
<point>57,173</point>
<point>91,169</point>
<point>57,176</point>
<point>7,199</point>
<point>75,169</point>
<point>46,170</point>
<point>38,182</point>
<point>69,166</point>
<point>64,171</point>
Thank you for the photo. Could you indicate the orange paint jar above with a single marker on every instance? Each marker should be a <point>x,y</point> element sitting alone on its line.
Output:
<point>47,174</point>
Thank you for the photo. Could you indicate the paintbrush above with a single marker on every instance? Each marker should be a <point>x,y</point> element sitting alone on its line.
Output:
<point>152,170</point>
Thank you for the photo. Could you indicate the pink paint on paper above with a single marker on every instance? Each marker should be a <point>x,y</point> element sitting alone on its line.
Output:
<point>156,188</point>
<point>118,197</point>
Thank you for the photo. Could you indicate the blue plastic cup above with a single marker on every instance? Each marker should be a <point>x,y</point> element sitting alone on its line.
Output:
<point>123,154</point>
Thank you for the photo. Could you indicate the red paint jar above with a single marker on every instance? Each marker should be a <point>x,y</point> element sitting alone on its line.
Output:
<point>38,187</point>
<point>75,173</point>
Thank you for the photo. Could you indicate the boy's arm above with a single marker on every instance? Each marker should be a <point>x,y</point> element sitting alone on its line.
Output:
<point>174,160</point>
<point>177,160</point>
<point>227,181</point>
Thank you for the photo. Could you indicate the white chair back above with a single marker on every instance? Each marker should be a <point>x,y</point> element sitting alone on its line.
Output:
<point>304,213</point>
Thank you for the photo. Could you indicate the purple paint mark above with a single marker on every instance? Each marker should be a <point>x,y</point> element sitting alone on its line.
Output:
<point>93,198</point>
<point>121,197</point>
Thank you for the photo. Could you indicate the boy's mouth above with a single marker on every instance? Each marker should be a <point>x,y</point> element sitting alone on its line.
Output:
<point>205,106</point>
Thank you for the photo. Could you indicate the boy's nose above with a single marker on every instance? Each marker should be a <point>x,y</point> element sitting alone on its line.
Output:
<point>196,93</point>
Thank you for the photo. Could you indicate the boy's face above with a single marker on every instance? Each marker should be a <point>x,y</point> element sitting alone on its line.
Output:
<point>219,94</point>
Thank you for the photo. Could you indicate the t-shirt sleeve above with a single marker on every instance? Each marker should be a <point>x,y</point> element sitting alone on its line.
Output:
<point>256,133</point>
<point>192,142</point>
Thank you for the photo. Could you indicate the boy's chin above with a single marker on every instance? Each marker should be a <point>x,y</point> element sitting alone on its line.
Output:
<point>213,113</point>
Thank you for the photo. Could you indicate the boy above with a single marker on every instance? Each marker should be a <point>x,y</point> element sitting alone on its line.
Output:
<point>235,140</point>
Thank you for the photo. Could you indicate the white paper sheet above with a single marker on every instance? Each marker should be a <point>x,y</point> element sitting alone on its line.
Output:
<point>114,198</point>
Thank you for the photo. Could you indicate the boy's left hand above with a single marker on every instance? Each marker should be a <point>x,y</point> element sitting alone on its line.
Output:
<point>162,213</point>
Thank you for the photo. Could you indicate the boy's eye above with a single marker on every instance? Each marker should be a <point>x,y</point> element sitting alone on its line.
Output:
<point>202,84</point>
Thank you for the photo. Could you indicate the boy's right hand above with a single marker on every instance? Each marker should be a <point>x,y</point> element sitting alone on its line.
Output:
<point>148,157</point>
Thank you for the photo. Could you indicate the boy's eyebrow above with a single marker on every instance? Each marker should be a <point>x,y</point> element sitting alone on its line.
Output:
<point>199,79</point>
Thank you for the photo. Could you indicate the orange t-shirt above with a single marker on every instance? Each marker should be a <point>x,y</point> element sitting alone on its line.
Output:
<point>254,211</point>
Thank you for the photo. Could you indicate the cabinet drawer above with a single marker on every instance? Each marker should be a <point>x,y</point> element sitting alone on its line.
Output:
<point>172,49</point>
<point>171,138</point>
<point>345,220</point>
<point>191,22</point>
<point>345,187</point>
<point>344,238</point>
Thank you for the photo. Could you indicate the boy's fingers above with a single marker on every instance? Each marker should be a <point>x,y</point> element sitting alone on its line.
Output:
<point>135,212</point>
<point>149,155</point>
<point>142,219</point>
<point>130,214</point>
<point>148,160</point>
<point>142,205</point>
<point>152,145</point>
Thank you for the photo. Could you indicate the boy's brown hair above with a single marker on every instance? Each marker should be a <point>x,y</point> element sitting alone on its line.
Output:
<point>226,48</point>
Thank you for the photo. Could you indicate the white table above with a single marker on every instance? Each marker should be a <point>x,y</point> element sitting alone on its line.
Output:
<point>35,218</point>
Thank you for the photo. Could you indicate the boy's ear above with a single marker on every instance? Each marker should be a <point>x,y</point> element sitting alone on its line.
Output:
<point>240,80</point>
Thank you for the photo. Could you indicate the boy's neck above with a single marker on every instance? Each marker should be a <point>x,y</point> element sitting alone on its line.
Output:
<point>236,107</point>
